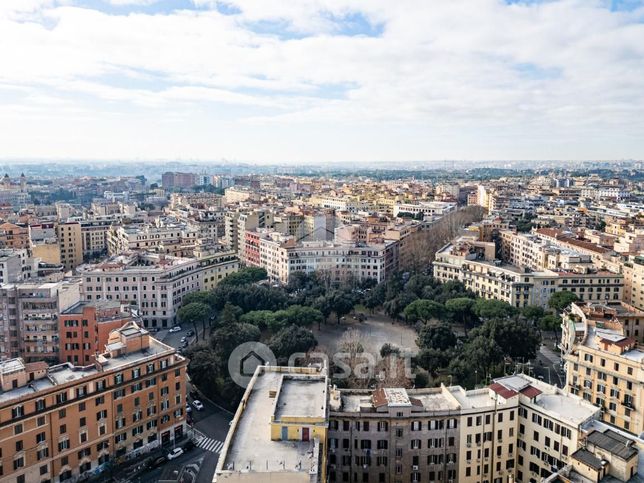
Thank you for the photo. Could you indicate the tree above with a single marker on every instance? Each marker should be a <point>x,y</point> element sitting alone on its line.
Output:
<point>515,337</point>
<point>533,312</point>
<point>290,340</point>
<point>323,304</point>
<point>461,311</point>
<point>193,313</point>
<point>297,315</point>
<point>341,303</point>
<point>261,319</point>
<point>561,300</point>
<point>394,307</point>
<point>388,349</point>
<point>245,276</point>
<point>436,337</point>
<point>230,315</point>
<point>550,322</point>
<point>352,346</point>
<point>424,310</point>
<point>432,359</point>
<point>488,309</point>
<point>225,339</point>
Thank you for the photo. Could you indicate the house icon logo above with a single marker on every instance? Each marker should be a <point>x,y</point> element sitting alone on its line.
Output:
<point>246,358</point>
<point>249,363</point>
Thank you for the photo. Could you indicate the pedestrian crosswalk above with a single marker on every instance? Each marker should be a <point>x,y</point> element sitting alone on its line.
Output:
<point>210,444</point>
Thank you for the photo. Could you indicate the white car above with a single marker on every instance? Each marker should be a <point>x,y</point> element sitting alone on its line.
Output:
<point>175,453</point>
<point>197,405</point>
<point>176,328</point>
<point>188,408</point>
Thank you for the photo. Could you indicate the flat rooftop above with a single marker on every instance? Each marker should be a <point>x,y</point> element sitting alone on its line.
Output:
<point>301,398</point>
<point>568,408</point>
<point>99,304</point>
<point>251,448</point>
<point>64,373</point>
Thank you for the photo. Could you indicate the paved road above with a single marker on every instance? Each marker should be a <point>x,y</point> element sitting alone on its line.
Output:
<point>210,427</point>
<point>548,364</point>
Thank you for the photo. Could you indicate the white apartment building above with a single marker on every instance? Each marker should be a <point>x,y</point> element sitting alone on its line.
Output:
<point>154,284</point>
<point>520,286</point>
<point>535,253</point>
<point>282,256</point>
<point>426,208</point>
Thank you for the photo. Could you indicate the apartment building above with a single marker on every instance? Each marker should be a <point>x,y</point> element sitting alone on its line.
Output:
<point>173,180</point>
<point>607,455</point>
<point>84,329</point>
<point>429,209</point>
<point>597,253</point>
<point>70,241</point>
<point>281,256</point>
<point>604,361</point>
<point>535,253</point>
<point>216,267</point>
<point>14,235</point>
<point>468,262</point>
<point>517,429</point>
<point>154,284</point>
<point>239,194</point>
<point>94,237</point>
<point>279,432</point>
<point>15,265</point>
<point>128,238</point>
<point>390,435</point>
<point>65,422</point>
<point>633,270</point>
<point>29,318</point>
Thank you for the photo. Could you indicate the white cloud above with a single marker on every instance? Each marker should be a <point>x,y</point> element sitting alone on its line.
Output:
<point>470,70</point>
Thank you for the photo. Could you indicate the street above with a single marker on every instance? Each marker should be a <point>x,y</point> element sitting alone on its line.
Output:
<point>209,427</point>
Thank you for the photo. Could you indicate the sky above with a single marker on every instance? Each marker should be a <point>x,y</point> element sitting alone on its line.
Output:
<point>299,81</point>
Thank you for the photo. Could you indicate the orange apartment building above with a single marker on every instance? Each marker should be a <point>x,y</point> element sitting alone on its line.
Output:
<point>14,236</point>
<point>62,422</point>
<point>85,327</point>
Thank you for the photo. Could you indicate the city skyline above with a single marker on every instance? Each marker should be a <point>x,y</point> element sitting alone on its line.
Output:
<point>320,81</point>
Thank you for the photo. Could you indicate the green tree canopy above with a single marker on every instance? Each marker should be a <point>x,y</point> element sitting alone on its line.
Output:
<point>488,309</point>
<point>424,310</point>
<point>560,300</point>
<point>290,340</point>
<point>245,276</point>
<point>436,337</point>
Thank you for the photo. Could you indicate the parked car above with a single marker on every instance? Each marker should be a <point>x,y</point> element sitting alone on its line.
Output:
<point>188,408</point>
<point>175,453</point>
<point>197,405</point>
<point>190,333</point>
<point>176,328</point>
<point>184,339</point>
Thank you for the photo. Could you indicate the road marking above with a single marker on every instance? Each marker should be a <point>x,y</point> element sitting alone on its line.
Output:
<point>209,444</point>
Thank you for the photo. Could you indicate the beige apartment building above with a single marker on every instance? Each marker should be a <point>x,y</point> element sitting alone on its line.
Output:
<point>604,362</point>
<point>517,429</point>
<point>633,270</point>
<point>282,256</point>
<point>94,236</point>
<point>70,241</point>
<point>64,423</point>
<point>469,262</point>
<point>153,284</point>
